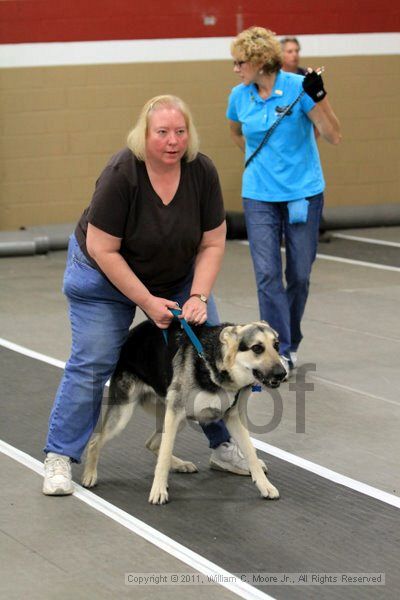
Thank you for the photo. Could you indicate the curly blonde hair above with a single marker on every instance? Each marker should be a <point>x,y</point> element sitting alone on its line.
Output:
<point>258,46</point>
<point>137,136</point>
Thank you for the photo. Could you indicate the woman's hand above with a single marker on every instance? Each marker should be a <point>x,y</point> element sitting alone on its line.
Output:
<point>194,311</point>
<point>157,309</point>
<point>313,84</point>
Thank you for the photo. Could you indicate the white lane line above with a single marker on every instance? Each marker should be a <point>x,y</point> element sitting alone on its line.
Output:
<point>292,458</point>
<point>357,238</point>
<point>353,484</point>
<point>353,390</point>
<point>155,537</point>
<point>367,334</point>
<point>359,263</point>
<point>32,354</point>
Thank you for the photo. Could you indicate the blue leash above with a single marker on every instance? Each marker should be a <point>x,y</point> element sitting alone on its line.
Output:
<point>194,339</point>
<point>188,330</point>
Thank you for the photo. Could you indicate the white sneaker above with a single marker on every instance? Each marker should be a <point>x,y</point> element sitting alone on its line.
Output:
<point>57,475</point>
<point>293,359</point>
<point>286,365</point>
<point>229,457</point>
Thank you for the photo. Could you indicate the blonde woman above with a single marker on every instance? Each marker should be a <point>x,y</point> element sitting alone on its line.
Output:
<point>283,184</point>
<point>153,236</point>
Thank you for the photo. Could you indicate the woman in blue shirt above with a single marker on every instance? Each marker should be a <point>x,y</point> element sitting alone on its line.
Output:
<point>283,184</point>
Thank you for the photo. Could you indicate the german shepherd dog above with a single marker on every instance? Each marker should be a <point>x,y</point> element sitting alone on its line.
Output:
<point>172,381</point>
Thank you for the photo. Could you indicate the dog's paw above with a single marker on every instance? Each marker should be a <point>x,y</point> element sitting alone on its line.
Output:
<point>158,495</point>
<point>89,479</point>
<point>263,465</point>
<point>273,493</point>
<point>270,493</point>
<point>183,466</point>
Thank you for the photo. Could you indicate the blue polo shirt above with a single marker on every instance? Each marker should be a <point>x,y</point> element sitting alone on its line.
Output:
<point>288,166</point>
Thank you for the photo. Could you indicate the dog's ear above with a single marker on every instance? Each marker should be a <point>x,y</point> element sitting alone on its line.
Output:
<point>275,333</point>
<point>230,338</point>
<point>263,322</point>
<point>228,333</point>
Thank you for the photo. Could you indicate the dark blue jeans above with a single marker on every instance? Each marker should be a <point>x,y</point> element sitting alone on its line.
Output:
<point>100,319</point>
<point>282,306</point>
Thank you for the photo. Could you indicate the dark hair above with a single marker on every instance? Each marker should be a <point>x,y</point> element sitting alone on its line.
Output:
<point>285,40</point>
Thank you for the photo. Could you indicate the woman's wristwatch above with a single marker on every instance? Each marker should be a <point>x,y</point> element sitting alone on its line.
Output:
<point>202,297</point>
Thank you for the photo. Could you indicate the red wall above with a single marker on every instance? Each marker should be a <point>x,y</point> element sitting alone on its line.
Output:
<point>84,20</point>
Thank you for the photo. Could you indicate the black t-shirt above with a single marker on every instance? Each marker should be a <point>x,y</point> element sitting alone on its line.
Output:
<point>159,242</point>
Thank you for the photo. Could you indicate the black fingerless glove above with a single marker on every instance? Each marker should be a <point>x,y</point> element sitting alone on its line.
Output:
<point>314,86</point>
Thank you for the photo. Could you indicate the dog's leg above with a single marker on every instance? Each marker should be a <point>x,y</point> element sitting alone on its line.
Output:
<point>118,412</point>
<point>177,464</point>
<point>159,490</point>
<point>241,435</point>
<point>157,409</point>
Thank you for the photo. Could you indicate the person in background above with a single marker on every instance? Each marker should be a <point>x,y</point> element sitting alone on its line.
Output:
<point>291,56</point>
<point>290,60</point>
<point>153,237</point>
<point>283,184</point>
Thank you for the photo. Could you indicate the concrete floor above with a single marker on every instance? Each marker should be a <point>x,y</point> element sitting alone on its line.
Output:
<point>351,338</point>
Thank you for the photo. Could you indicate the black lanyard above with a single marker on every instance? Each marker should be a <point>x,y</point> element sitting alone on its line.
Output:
<point>272,128</point>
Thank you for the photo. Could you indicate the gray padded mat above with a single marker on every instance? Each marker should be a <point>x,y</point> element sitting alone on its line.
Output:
<point>354,250</point>
<point>317,526</point>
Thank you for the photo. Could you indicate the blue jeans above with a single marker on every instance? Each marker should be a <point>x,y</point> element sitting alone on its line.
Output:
<point>283,307</point>
<point>100,319</point>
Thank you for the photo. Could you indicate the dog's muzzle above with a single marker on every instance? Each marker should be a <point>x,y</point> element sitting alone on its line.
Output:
<point>273,377</point>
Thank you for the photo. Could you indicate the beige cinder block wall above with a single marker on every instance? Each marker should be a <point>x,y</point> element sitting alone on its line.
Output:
<point>60,124</point>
